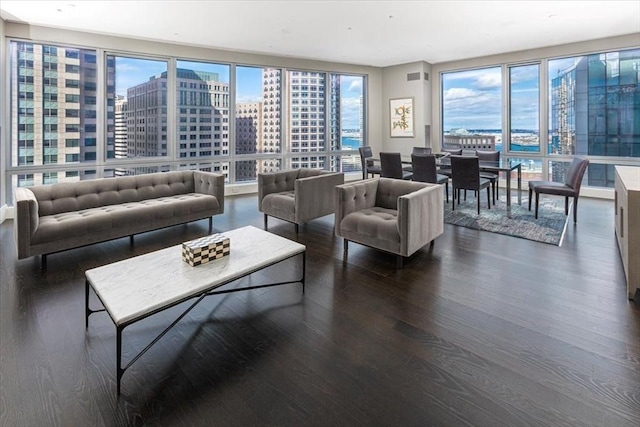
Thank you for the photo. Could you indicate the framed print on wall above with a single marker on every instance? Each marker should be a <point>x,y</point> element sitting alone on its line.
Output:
<point>401,112</point>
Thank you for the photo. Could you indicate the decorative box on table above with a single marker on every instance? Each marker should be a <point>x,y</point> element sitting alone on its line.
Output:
<point>205,249</point>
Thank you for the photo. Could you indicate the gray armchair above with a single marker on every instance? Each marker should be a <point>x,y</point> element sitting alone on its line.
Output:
<point>392,215</point>
<point>297,195</point>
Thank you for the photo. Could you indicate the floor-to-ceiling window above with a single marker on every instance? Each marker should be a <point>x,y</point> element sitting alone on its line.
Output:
<point>346,121</point>
<point>472,109</point>
<point>592,109</point>
<point>80,113</point>
<point>52,112</point>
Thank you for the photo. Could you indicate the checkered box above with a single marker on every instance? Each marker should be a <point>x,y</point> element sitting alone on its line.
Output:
<point>205,249</point>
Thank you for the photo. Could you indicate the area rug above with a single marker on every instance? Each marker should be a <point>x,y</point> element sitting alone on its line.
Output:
<point>548,228</point>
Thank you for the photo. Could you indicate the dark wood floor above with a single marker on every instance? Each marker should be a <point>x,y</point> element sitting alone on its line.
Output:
<point>483,329</point>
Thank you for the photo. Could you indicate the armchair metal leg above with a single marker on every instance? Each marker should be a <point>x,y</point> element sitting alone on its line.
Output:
<point>537,199</point>
<point>575,209</point>
<point>446,190</point>
<point>566,205</point>
<point>530,194</point>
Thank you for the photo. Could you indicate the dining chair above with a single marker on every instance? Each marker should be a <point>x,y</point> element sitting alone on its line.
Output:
<point>391,164</point>
<point>465,175</point>
<point>421,150</point>
<point>569,188</point>
<point>417,150</point>
<point>368,165</point>
<point>494,177</point>
<point>424,170</point>
<point>447,170</point>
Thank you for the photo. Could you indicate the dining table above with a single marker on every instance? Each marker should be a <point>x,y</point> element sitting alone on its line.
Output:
<point>505,165</point>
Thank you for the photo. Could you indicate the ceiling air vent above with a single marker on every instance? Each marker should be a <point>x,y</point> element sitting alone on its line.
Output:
<point>413,76</point>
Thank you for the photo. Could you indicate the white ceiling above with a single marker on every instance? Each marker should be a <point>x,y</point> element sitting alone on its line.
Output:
<point>377,33</point>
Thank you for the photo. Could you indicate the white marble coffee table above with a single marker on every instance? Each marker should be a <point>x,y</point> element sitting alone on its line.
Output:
<point>135,288</point>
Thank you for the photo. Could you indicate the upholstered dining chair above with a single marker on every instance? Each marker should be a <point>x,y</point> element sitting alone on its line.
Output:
<point>569,188</point>
<point>391,164</point>
<point>447,170</point>
<point>424,170</point>
<point>465,175</point>
<point>368,165</point>
<point>421,150</point>
<point>417,150</point>
<point>494,177</point>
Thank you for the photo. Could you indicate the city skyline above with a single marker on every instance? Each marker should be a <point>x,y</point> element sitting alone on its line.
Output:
<point>132,72</point>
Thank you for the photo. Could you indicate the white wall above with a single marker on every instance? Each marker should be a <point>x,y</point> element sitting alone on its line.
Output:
<point>396,85</point>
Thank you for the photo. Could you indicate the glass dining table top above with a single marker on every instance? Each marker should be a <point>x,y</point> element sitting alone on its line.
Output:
<point>503,165</point>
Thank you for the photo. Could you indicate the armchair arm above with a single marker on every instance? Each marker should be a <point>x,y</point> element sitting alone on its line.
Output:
<point>353,197</point>
<point>314,196</point>
<point>26,220</point>
<point>420,217</point>
<point>210,183</point>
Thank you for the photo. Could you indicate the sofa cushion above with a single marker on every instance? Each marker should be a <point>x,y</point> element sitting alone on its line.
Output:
<point>76,196</point>
<point>281,205</point>
<point>113,220</point>
<point>377,227</point>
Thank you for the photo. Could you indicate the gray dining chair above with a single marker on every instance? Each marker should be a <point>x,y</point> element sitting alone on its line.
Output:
<point>447,169</point>
<point>494,177</point>
<point>569,188</point>
<point>391,164</point>
<point>417,150</point>
<point>424,170</point>
<point>368,165</point>
<point>465,175</point>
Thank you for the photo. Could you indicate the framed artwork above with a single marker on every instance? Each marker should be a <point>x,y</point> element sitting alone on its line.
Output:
<point>401,115</point>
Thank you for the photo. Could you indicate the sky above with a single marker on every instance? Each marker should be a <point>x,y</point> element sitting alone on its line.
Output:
<point>133,71</point>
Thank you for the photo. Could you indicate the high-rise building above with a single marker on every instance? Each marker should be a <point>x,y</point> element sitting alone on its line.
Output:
<point>594,105</point>
<point>120,130</point>
<point>53,107</point>
<point>306,126</point>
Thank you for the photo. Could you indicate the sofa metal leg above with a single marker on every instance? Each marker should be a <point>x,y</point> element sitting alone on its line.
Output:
<point>345,245</point>
<point>296,227</point>
<point>131,240</point>
<point>43,262</point>
<point>210,224</point>
<point>265,221</point>
<point>399,262</point>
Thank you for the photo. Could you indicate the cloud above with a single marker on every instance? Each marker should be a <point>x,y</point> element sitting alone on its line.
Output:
<point>459,93</point>
<point>489,81</point>
<point>356,85</point>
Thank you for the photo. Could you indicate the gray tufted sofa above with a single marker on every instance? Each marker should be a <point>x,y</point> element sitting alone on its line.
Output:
<point>297,195</point>
<point>392,215</point>
<point>57,217</point>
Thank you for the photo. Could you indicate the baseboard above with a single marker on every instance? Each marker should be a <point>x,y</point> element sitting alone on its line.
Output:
<point>6,212</point>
